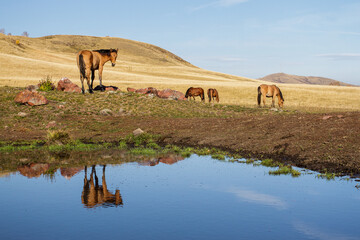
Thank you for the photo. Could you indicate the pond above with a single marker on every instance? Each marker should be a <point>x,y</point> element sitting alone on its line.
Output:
<point>175,198</point>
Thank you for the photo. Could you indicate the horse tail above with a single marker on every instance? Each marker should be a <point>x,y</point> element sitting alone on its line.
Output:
<point>259,95</point>
<point>202,95</point>
<point>209,94</point>
<point>281,96</point>
<point>82,65</point>
<point>217,95</point>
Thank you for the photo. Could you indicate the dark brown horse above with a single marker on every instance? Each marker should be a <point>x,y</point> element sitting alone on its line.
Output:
<point>213,94</point>
<point>89,61</point>
<point>193,92</point>
<point>270,91</point>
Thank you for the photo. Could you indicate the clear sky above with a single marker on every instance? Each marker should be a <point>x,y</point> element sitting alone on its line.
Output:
<point>250,38</point>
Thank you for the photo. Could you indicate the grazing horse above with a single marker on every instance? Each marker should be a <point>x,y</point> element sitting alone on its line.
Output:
<point>270,91</point>
<point>89,61</point>
<point>213,93</point>
<point>193,92</point>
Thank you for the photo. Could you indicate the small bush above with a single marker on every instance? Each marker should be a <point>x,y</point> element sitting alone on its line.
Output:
<point>58,136</point>
<point>46,84</point>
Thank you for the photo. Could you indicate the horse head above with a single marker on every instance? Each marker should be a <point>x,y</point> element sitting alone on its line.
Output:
<point>113,56</point>
<point>281,102</point>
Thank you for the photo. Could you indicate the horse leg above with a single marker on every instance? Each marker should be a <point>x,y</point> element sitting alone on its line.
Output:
<point>88,80</point>
<point>92,78</point>
<point>264,98</point>
<point>273,101</point>
<point>100,77</point>
<point>82,84</point>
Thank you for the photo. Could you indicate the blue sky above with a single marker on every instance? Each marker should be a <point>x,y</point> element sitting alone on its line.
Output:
<point>250,38</point>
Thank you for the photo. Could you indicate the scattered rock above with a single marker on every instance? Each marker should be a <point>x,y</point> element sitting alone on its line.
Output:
<point>274,109</point>
<point>60,106</point>
<point>22,114</point>
<point>23,160</point>
<point>51,124</point>
<point>131,89</point>
<point>67,86</point>
<point>326,117</point>
<point>138,132</point>
<point>106,112</point>
<point>171,94</point>
<point>149,90</point>
<point>30,98</point>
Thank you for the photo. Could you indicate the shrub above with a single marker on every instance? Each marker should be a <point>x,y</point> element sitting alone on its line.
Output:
<point>58,136</point>
<point>46,84</point>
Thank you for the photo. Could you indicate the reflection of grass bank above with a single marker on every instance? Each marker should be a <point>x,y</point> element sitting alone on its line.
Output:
<point>285,170</point>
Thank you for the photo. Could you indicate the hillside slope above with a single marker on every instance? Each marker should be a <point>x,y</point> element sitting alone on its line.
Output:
<point>287,78</point>
<point>31,59</point>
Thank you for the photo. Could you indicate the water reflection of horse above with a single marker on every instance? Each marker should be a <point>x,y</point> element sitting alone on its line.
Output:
<point>270,91</point>
<point>94,195</point>
<point>89,61</point>
<point>193,92</point>
<point>213,94</point>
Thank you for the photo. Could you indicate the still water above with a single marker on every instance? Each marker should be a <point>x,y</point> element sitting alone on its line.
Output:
<point>192,198</point>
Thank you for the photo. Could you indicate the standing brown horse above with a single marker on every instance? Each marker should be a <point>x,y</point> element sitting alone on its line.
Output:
<point>213,93</point>
<point>89,61</point>
<point>193,92</point>
<point>270,91</point>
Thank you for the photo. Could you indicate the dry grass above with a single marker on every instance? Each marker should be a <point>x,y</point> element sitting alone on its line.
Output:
<point>142,65</point>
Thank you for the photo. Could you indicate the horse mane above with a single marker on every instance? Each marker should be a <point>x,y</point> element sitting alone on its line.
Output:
<point>187,92</point>
<point>105,51</point>
<point>281,96</point>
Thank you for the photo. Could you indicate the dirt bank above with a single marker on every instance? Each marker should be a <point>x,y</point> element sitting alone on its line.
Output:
<point>322,142</point>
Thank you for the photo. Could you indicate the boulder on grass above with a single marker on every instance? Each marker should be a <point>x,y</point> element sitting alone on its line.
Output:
<point>66,85</point>
<point>149,90</point>
<point>30,98</point>
<point>171,94</point>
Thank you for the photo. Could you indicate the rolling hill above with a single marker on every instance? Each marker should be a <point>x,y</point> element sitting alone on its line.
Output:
<point>25,61</point>
<point>287,78</point>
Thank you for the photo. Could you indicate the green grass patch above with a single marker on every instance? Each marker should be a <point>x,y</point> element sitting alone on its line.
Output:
<point>327,176</point>
<point>285,170</point>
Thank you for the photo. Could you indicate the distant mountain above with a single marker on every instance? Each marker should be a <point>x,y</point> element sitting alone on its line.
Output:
<point>287,78</point>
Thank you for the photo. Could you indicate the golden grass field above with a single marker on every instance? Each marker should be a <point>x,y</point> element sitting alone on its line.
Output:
<point>142,65</point>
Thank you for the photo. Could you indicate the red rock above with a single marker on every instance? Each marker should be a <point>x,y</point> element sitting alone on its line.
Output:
<point>70,171</point>
<point>149,90</point>
<point>34,169</point>
<point>141,90</point>
<point>326,117</point>
<point>67,86</point>
<point>131,89</point>
<point>51,124</point>
<point>170,159</point>
<point>30,98</point>
<point>171,94</point>
<point>110,89</point>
